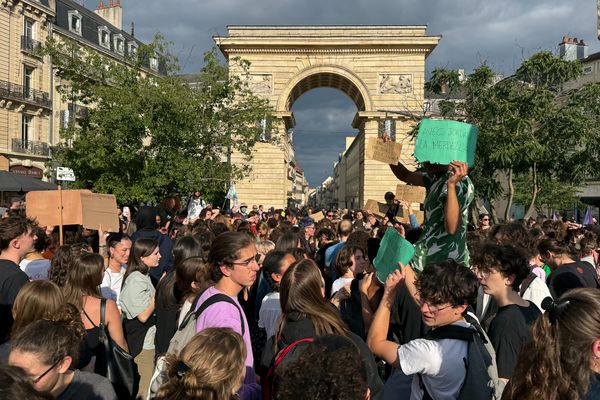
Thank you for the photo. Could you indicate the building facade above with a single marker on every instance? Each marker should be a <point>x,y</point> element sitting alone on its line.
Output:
<point>32,111</point>
<point>25,86</point>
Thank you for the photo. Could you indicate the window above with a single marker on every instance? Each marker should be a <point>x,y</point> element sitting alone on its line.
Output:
<point>27,81</point>
<point>154,63</point>
<point>587,70</point>
<point>75,22</point>
<point>26,128</point>
<point>104,37</point>
<point>132,49</point>
<point>28,30</point>
<point>119,44</point>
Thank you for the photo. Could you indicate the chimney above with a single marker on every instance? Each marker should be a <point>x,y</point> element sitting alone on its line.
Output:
<point>582,50</point>
<point>113,14</point>
<point>567,49</point>
<point>132,29</point>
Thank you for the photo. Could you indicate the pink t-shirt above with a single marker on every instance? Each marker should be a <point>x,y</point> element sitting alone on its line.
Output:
<point>224,315</point>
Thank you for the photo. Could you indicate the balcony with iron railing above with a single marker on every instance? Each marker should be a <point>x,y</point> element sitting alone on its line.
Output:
<point>12,91</point>
<point>30,147</point>
<point>30,45</point>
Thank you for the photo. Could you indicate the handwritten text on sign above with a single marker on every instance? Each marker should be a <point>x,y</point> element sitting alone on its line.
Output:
<point>443,141</point>
<point>386,152</point>
<point>411,194</point>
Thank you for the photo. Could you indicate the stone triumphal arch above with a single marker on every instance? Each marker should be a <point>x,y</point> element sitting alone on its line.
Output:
<point>381,68</point>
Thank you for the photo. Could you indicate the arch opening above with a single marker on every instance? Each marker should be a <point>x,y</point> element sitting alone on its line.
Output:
<point>318,78</point>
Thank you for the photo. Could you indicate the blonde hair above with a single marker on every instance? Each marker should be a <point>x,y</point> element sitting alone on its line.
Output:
<point>265,246</point>
<point>36,300</point>
<point>210,367</point>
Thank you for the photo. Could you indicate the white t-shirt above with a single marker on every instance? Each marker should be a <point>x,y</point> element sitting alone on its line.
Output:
<point>110,288</point>
<point>440,363</point>
<point>339,283</point>
<point>185,307</point>
<point>270,310</point>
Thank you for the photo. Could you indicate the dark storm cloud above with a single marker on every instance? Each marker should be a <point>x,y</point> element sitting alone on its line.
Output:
<point>501,34</point>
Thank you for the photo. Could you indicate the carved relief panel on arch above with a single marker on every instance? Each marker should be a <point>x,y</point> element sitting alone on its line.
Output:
<point>395,83</point>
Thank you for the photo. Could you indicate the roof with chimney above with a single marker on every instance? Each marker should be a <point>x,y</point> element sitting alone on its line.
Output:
<point>90,22</point>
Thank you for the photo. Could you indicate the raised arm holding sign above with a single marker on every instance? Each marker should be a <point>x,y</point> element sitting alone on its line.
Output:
<point>445,148</point>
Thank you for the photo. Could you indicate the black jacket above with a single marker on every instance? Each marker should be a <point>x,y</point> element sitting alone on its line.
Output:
<point>299,327</point>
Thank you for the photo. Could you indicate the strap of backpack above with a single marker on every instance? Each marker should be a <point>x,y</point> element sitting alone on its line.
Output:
<point>219,297</point>
<point>451,332</point>
<point>283,352</point>
<point>526,283</point>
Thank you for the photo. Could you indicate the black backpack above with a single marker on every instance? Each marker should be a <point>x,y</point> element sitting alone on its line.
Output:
<point>481,379</point>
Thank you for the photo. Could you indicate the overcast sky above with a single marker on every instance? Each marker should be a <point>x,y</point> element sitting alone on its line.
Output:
<point>501,33</point>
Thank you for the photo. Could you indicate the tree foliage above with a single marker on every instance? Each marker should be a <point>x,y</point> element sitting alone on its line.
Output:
<point>146,134</point>
<point>533,133</point>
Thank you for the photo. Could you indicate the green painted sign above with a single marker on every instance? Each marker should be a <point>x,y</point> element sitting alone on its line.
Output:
<point>443,141</point>
<point>392,250</point>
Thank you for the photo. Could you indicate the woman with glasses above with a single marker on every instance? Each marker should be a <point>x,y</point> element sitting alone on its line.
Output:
<point>501,270</point>
<point>47,351</point>
<point>484,222</point>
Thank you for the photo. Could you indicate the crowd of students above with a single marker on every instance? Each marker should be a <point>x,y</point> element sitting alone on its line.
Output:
<point>281,306</point>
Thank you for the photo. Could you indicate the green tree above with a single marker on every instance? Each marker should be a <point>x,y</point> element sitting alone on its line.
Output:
<point>531,128</point>
<point>147,135</point>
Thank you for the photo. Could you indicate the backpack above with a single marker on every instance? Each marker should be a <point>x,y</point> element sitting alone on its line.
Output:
<point>184,334</point>
<point>481,379</point>
<point>269,385</point>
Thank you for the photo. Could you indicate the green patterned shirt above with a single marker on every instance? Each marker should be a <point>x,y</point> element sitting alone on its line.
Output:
<point>435,244</point>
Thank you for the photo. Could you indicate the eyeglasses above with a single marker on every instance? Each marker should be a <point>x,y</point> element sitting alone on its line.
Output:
<point>39,378</point>
<point>247,263</point>
<point>483,272</point>
<point>433,308</point>
<point>485,219</point>
<point>330,215</point>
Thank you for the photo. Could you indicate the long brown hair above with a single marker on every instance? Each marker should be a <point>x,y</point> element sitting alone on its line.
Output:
<point>36,300</point>
<point>556,364</point>
<point>210,367</point>
<point>301,291</point>
<point>84,278</point>
<point>142,247</point>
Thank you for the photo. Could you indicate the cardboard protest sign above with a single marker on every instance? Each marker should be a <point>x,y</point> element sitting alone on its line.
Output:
<point>443,141</point>
<point>386,152</point>
<point>411,194</point>
<point>317,216</point>
<point>80,207</point>
<point>380,209</point>
<point>392,250</point>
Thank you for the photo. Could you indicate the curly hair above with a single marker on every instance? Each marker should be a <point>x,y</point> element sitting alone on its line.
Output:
<point>329,368</point>
<point>52,339</point>
<point>557,362</point>
<point>507,260</point>
<point>447,282</point>
<point>60,264</point>
<point>213,367</point>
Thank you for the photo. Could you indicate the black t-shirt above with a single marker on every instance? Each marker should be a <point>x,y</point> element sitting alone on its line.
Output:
<point>12,280</point>
<point>570,276</point>
<point>86,385</point>
<point>594,391</point>
<point>508,332</point>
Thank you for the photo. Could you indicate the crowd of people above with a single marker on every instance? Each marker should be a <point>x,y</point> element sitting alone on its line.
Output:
<point>273,304</point>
